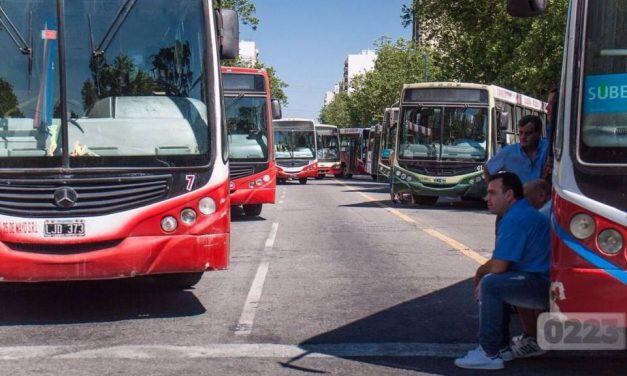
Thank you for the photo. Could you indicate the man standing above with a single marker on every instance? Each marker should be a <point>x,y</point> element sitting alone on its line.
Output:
<point>527,158</point>
<point>517,274</point>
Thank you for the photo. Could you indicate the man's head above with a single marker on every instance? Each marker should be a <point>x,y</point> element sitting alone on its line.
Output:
<point>504,189</point>
<point>529,131</point>
<point>537,192</point>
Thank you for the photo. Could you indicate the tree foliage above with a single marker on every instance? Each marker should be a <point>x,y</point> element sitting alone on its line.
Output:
<point>398,63</point>
<point>477,41</point>
<point>8,101</point>
<point>246,10</point>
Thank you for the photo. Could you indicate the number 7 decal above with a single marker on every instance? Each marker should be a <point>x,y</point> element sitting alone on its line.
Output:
<point>190,181</point>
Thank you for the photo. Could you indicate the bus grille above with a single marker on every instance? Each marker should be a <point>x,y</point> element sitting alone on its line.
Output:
<point>292,163</point>
<point>236,172</point>
<point>94,196</point>
<point>442,169</point>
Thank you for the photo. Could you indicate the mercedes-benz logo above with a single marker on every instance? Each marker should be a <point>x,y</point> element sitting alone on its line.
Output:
<point>65,197</point>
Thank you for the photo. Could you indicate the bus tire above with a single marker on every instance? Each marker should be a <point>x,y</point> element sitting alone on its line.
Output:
<point>302,180</point>
<point>177,281</point>
<point>252,210</point>
<point>349,176</point>
<point>374,177</point>
<point>424,200</point>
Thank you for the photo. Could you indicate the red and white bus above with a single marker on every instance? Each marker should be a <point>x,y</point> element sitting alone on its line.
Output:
<point>589,261</point>
<point>353,151</point>
<point>249,113</point>
<point>113,160</point>
<point>328,149</point>
<point>295,150</point>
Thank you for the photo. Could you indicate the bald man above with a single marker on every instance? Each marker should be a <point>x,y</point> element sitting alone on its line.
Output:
<point>538,193</point>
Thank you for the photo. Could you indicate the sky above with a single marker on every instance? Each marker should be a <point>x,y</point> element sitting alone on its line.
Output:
<point>307,41</point>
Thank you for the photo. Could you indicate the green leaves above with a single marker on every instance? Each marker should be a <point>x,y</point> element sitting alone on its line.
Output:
<point>246,10</point>
<point>398,63</point>
<point>477,41</point>
<point>276,84</point>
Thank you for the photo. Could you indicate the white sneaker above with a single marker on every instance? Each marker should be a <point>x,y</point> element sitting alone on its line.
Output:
<point>477,359</point>
<point>526,347</point>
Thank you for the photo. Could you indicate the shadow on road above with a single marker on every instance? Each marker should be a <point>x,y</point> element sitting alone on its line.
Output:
<point>457,206</point>
<point>94,301</point>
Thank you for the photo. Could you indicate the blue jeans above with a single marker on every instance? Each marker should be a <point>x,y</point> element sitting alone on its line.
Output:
<point>497,293</point>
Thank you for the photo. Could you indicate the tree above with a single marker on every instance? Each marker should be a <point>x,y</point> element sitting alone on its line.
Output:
<point>477,41</point>
<point>8,101</point>
<point>398,63</point>
<point>245,9</point>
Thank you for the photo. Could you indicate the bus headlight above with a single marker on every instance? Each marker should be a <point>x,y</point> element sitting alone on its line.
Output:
<point>169,223</point>
<point>610,241</point>
<point>397,173</point>
<point>207,206</point>
<point>403,176</point>
<point>251,184</point>
<point>582,226</point>
<point>188,216</point>
<point>266,178</point>
<point>259,182</point>
<point>408,178</point>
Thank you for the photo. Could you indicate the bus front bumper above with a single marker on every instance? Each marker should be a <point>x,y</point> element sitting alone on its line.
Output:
<point>284,175</point>
<point>463,189</point>
<point>248,190</point>
<point>130,257</point>
<point>587,290</point>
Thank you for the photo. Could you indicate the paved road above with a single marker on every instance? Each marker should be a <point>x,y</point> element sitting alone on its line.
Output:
<point>331,280</point>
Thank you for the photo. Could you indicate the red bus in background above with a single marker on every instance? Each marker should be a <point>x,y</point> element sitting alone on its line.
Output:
<point>353,151</point>
<point>249,113</point>
<point>99,181</point>
<point>295,150</point>
<point>328,149</point>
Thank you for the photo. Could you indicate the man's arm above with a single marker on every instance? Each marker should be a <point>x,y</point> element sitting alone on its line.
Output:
<point>495,164</point>
<point>492,266</point>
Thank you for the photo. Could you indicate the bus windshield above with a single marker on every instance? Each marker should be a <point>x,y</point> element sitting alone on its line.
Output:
<point>247,125</point>
<point>603,135</point>
<point>134,93</point>
<point>328,148</point>
<point>294,144</point>
<point>443,133</point>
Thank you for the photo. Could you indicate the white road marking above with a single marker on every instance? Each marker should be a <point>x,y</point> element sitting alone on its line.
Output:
<point>247,318</point>
<point>261,350</point>
<point>281,202</point>
<point>271,237</point>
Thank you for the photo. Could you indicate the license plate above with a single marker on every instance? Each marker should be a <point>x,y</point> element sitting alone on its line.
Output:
<point>64,228</point>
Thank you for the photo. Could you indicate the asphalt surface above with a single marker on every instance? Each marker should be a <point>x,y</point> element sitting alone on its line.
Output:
<point>333,279</point>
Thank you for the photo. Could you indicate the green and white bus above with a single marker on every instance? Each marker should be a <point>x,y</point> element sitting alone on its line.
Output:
<point>447,132</point>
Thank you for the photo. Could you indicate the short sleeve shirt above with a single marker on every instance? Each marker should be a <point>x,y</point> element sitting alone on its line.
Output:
<point>523,239</point>
<point>513,158</point>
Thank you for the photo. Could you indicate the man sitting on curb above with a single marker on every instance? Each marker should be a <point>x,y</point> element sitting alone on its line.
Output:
<point>517,274</point>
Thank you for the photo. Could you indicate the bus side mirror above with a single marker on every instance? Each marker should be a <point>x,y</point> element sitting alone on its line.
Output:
<point>229,34</point>
<point>525,8</point>
<point>276,109</point>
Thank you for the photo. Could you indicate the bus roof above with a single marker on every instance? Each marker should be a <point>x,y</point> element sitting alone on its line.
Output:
<point>294,123</point>
<point>325,126</point>
<point>496,92</point>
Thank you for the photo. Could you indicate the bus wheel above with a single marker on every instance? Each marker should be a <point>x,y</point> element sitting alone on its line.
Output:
<point>177,281</point>
<point>280,181</point>
<point>349,176</point>
<point>252,210</point>
<point>424,200</point>
<point>302,180</point>
<point>374,177</point>
<point>319,177</point>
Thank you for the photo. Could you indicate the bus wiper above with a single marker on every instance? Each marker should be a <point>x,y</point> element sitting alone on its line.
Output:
<point>18,39</point>
<point>114,28</point>
<point>14,33</point>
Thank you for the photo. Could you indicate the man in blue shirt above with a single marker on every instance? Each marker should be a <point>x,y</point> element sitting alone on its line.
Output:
<point>528,157</point>
<point>517,274</point>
